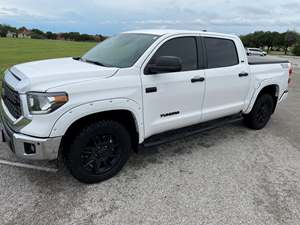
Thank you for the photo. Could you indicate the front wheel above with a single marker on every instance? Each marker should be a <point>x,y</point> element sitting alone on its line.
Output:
<point>99,151</point>
<point>260,113</point>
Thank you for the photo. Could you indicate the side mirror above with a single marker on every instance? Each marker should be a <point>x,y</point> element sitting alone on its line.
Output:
<point>164,64</point>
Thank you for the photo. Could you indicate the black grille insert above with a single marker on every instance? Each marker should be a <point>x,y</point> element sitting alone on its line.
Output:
<point>12,100</point>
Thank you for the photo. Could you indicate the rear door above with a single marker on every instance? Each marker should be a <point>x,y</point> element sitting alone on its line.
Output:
<point>227,79</point>
<point>174,100</point>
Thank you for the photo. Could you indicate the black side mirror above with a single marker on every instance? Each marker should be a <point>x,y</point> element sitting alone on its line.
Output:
<point>164,64</point>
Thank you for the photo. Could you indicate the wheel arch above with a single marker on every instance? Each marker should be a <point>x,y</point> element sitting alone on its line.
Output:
<point>124,117</point>
<point>271,88</point>
<point>123,111</point>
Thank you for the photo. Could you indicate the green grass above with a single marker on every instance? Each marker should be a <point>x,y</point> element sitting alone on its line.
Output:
<point>14,51</point>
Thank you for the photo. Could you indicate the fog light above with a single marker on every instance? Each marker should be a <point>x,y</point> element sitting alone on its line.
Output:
<point>29,148</point>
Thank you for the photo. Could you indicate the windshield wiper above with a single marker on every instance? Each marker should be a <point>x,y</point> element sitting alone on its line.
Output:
<point>77,58</point>
<point>89,61</point>
<point>94,62</point>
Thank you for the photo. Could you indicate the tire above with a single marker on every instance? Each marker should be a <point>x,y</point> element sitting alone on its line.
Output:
<point>260,113</point>
<point>99,152</point>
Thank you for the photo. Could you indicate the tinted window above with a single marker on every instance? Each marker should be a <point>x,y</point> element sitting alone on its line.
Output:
<point>220,52</point>
<point>184,48</point>
<point>120,51</point>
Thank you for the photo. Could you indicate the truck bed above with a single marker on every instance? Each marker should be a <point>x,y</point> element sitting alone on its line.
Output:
<point>258,60</point>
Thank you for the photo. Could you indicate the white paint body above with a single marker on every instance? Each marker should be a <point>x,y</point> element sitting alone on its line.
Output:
<point>92,89</point>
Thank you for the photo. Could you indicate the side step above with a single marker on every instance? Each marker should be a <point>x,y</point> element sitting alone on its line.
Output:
<point>180,133</point>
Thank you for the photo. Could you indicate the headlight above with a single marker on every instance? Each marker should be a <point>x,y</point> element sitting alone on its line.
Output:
<point>43,103</point>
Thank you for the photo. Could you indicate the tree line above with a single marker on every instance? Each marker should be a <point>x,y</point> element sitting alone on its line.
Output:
<point>39,34</point>
<point>289,40</point>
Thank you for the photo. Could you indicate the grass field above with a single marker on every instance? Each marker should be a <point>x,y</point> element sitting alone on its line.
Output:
<point>14,51</point>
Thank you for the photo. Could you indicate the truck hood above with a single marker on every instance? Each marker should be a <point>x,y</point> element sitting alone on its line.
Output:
<point>45,74</point>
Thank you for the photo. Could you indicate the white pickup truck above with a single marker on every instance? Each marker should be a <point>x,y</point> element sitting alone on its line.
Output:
<point>139,88</point>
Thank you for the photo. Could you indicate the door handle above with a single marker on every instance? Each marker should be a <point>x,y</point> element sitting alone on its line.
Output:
<point>197,79</point>
<point>243,74</point>
<point>151,89</point>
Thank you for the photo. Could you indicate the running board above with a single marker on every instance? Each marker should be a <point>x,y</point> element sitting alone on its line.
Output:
<point>180,133</point>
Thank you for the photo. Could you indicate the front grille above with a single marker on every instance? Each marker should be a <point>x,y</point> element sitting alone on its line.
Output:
<point>12,100</point>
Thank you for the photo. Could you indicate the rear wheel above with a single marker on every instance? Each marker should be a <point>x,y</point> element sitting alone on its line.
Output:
<point>260,113</point>
<point>99,151</point>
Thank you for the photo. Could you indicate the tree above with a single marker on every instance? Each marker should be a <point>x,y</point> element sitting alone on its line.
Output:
<point>271,39</point>
<point>289,39</point>
<point>256,39</point>
<point>5,28</point>
<point>74,36</point>
<point>267,40</point>
<point>50,35</point>
<point>246,39</point>
<point>22,29</point>
<point>86,37</point>
<point>296,49</point>
<point>37,34</point>
<point>277,39</point>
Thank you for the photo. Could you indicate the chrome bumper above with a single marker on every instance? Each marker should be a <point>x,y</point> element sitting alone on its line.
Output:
<point>27,147</point>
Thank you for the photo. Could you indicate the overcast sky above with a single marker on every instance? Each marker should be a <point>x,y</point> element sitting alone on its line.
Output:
<point>113,16</point>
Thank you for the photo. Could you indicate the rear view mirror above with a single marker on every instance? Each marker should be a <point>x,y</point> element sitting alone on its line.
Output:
<point>164,64</point>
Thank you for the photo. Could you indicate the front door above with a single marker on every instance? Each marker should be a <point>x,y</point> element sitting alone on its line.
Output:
<point>174,99</point>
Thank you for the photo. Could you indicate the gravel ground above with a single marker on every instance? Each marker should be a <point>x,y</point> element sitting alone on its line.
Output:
<point>231,175</point>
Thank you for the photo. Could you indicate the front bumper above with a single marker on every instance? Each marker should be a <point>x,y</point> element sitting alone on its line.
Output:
<point>28,147</point>
<point>25,146</point>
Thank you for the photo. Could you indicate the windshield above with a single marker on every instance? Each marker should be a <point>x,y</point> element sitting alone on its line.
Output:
<point>120,51</point>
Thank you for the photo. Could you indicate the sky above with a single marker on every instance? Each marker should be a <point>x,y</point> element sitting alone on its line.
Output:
<point>110,17</point>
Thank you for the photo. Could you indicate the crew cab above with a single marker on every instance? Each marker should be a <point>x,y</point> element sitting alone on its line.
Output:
<point>135,89</point>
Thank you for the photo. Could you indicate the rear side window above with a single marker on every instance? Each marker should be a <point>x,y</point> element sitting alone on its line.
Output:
<point>184,48</point>
<point>220,52</point>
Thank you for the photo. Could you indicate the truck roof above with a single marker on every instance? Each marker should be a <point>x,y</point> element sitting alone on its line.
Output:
<point>161,32</point>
